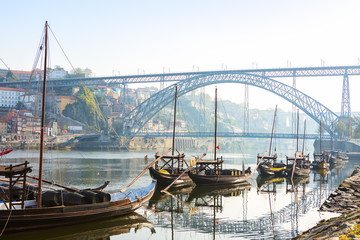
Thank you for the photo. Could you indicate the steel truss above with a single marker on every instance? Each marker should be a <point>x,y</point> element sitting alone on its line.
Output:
<point>139,116</point>
<point>176,77</point>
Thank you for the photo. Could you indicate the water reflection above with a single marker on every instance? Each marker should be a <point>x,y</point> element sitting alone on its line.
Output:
<point>275,208</point>
<point>98,230</point>
<point>269,208</point>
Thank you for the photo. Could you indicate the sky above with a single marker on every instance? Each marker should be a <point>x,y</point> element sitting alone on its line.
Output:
<point>131,37</point>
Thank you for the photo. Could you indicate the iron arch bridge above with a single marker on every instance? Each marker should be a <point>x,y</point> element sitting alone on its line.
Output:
<point>139,116</point>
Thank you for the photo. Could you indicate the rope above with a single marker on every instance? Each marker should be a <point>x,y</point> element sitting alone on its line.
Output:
<point>7,221</point>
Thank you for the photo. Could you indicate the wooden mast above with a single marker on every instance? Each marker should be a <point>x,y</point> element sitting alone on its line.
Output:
<point>173,138</point>
<point>272,131</point>
<point>297,132</point>
<point>320,136</point>
<point>304,137</point>
<point>39,198</point>
<point>215,122</point>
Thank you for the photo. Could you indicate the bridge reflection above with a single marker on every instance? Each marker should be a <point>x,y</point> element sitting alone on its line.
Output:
<point>231,135</point>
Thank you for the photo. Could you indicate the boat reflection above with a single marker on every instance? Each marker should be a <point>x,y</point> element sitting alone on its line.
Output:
<point>268,183</point>
<point>95,230</point>
<point>161,201</point>
<point>321,175</point>
<point>225,191</point>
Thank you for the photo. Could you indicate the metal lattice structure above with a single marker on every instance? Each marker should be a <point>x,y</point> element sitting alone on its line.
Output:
<point>184,76</point>
<point>139,116</point>
<point>345,100</point>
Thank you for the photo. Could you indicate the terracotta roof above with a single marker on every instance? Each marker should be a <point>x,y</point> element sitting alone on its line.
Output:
<point>25,72</point>
<point>12,89</point>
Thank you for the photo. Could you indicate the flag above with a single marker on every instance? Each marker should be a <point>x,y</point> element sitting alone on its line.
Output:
<point>218,147</point>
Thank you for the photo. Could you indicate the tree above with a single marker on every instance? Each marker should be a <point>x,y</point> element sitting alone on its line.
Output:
<point>341,129</point>
<point>356,126</point>
<point>19,105</point>
<point>86,71</point>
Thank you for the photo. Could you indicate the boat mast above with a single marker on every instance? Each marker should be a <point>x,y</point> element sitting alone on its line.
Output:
<point>297,132</point>
<point>304,136</point>
<point>39,198</point>
<point>272,131</point>
<point>215,122</point>
<point>173,139</point>
<point>320,136</point>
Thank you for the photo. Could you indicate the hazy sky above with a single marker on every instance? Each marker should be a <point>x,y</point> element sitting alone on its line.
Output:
<point>127,37</point>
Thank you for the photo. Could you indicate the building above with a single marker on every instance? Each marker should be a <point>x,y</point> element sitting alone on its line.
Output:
<point>9,97</point>
<point>25,75</point>
<point>22,122</point>
<point>3,127</point>
<point>3,74</point>
<point>58,72</point>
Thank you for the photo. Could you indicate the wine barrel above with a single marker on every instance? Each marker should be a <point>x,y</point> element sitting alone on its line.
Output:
<point>51,198</point>
<point>90,196</point>
<point>104,196</point>
<point>73,198</point>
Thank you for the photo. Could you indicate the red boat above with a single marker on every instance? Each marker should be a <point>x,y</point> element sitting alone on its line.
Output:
<point>5,151</point>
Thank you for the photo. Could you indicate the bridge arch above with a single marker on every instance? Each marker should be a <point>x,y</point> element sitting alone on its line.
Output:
<point>139,116</point>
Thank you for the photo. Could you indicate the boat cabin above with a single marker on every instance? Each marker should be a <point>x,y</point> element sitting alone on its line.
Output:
<point>13,196</point>
<point>171,164</point>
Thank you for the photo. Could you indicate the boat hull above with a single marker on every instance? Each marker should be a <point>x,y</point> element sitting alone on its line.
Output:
<point>47,217</point>
<point>164,179</point>
<point>320,165</point>
<point>208,180</point>
<point>272,171</point>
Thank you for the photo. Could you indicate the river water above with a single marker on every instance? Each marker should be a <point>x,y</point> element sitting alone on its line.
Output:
<point>262,209</point>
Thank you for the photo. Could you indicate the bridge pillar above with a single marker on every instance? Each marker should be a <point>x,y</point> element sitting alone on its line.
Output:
<point>345,101</point>
<point>293,119</point>
<point>123,110</point>
<point>345,104</point>
<point>246,109</point>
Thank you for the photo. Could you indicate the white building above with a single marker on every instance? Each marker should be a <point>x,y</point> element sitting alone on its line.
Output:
<point>58,73</point>
<point>9,97</point>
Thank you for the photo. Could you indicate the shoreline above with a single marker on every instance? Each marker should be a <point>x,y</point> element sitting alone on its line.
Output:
<point>345,200</point>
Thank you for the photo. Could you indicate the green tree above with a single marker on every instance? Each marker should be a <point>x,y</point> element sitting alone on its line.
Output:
<point>86,110</point>
<point>86,71</point>
<point>341,129</point>
<point>19,105</point>
<point>356,126</point>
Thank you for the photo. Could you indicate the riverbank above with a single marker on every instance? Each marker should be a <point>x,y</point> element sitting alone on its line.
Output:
<point>346,201</point>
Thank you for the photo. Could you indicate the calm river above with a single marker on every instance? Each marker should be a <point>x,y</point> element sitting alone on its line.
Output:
<point>262,209</point>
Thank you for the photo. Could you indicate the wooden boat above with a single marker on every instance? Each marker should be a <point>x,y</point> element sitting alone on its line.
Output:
<point>298,165</point>
<point>343,157</point>
<point>334,158</point>
<point>321,160</point>
<point>31,217</point>
<point>271,167</point>
<point>5,151</point>
<point>170,167</point>
<point>25,215</point>
<point>211,172</point>
<point>269,164</point>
